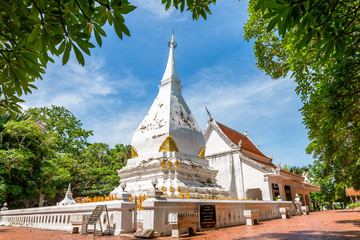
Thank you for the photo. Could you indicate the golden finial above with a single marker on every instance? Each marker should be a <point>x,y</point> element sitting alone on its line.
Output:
<point>172,43</point>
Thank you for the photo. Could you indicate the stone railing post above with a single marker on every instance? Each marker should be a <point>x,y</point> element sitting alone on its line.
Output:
<point>154,213</point>
<point>123,218</point>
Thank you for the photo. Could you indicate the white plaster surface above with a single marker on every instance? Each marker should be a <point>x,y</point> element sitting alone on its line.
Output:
<point>169,115</point>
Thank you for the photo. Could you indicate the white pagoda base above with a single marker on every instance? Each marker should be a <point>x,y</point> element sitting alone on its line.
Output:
<point>174,172</point>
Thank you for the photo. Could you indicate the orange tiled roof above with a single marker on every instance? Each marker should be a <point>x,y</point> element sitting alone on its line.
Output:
<point>352,192</point>
<point>246,144</point>
<point>309,185</point>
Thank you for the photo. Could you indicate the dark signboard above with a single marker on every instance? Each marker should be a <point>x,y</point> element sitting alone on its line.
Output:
<point>207,217</point>
<point>96,214</point>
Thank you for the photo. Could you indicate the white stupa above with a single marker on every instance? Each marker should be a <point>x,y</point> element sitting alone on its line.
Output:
<point>68,199</point>
<point>169,145</point>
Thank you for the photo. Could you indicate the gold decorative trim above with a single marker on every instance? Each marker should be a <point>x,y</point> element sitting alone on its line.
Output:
<point>134,153</point>
<point>168,145</point>
<point>163,189</point>
<point>187,195</point>
<point>176,165</point>
<point>178,189</point>
<point>201,154</point>
<point>170,189</point>
<point>162,164</point>
<point>169,165</point>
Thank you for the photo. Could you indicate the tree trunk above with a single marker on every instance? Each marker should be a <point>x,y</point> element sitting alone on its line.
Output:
<point>41,199</point>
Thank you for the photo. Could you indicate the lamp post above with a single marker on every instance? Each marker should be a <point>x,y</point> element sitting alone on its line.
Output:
<point>154,181</point>
<point>123,186</point>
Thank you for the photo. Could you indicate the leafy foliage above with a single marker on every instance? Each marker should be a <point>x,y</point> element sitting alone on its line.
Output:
<point>31,31</point>
<point>24,156</point>
<point>354,205</point>
<point>71,134</point>
<point>198,8</point>
<point>91,171</point>
<point>331,189</point>
<point>317,42</point>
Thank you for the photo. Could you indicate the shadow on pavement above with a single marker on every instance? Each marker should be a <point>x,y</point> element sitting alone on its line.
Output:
<point>299,235</point>
<point>351,211</point>
<point>355,222</point>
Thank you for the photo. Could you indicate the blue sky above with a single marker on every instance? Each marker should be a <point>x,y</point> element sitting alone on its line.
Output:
<point>113,92</point>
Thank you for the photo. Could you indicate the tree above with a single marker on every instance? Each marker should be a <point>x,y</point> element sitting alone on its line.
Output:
<point>31,31</point>
<point>46,149</point>
<point>91,171</point>
<point>317,42</point>
<point>71,134</point>
<point>25,171</point>
<point>90,168</point>
<point>331,189</point>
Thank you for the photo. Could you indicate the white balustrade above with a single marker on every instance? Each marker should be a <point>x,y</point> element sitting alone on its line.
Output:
<point>58,217</point>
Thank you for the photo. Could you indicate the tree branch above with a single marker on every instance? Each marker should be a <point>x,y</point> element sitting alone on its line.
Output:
<point>61,18</point>
<point>41,13</point>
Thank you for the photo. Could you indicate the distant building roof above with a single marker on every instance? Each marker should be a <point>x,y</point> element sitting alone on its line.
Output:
<point>352,192</point>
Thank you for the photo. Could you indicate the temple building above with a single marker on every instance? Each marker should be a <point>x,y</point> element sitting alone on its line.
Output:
<point>170,149</point>
<point>248,173</point>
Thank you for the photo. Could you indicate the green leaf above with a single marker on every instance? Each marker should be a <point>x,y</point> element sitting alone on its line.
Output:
<point>98,38</point>
<point>118,30</point>
<point>79,55</point>
<point>123,28</point>
<point>34,34</point>
<point>99,29</point>
<point>61,48</point>
<point>127,9</point>
<point>272,23</point>
<point>83,45</point>
<point>66,55</point>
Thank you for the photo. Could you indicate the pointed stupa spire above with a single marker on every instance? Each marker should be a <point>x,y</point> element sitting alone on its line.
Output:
<point>171,73</point>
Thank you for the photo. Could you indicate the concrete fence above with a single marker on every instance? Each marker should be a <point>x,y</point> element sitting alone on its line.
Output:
<point>58,217</point>
<point>153,216</point>
<point>228,212</point>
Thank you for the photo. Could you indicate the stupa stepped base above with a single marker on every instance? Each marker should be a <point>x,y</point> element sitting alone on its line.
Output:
<point>175,176</point>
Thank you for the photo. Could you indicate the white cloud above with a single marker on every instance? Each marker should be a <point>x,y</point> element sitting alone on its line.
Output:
<point>94,96</point>
<point>117,128</point>
<point>155,8</point>
<point>81,88</point>
<point>230,97</point>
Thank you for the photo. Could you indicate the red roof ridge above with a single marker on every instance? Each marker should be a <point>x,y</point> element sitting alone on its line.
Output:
<point>246,143</point>
<point>231,129</point>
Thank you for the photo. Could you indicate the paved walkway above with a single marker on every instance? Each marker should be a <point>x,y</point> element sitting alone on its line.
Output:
<point>334,224</point>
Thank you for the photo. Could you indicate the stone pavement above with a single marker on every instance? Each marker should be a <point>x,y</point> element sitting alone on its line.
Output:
<point>334,224</point>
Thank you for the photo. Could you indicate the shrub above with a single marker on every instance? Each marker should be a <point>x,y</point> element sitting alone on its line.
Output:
<point>354,205</point>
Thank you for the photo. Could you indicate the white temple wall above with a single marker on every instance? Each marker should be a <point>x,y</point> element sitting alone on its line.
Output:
<point>254,179</point>
<point>215,144</point>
